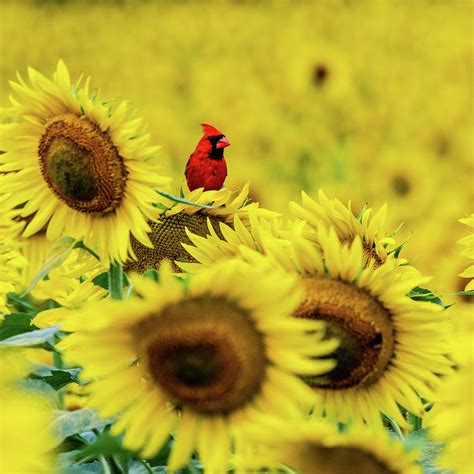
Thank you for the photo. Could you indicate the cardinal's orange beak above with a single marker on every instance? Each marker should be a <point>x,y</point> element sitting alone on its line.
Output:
<point>222,143</point>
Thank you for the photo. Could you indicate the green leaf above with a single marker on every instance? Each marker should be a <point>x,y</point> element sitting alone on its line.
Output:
<point>40,387</point>
<point>16,323</point>
<point>57,255</point>
<point>68,423</point>
<point>102,280</point>
<point>81,468</point>
<point>152,274</point>
<point>424,294</point>
<point>104,445</point>
<point>463,293</point>
<point>184,201</point>
<point>22,303</point>
<point>33,338</point>
<point>58,378</point>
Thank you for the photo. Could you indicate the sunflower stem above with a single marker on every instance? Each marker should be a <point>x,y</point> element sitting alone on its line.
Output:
<point>116,281</point>
<point>395,427</point>
<point>105,465</point>
<point>146,466</point>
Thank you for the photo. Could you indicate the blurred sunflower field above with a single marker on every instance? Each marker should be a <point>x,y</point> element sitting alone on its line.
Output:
<point>311,314</point>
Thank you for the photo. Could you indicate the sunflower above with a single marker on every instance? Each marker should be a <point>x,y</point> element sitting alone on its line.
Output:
<point>452,417</point>
<point>77,164</point>
<point>26,417</point>
<point>70,285</point>
<point>468,243</point>
<point>369,225</point>
<point>392,348</point>
<point>317,446</point>
<point>231,240</point>
<point>210,355</point>
<point>170,232</point>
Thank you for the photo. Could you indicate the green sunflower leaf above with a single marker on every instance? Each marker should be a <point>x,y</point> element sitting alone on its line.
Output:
<point>58,378</point>
<point>56,256</point>
<point>16,323</point>
<point>104,445</point>
<point>68,423</point>
<point>32,338</point>
<point>423,294</point>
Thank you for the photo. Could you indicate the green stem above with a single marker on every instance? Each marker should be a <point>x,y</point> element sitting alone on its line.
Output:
<point>147,466</point>
<point>58,363</point>
<point>116,281</point>
<point>105,465</point>
<point>20,303</point>
<point>395,427</point>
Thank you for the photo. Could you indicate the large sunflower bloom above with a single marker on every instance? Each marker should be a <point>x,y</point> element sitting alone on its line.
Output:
<point>468,243</point>
<point>310,447</point>
<point>77,164</point>
<point>210,356</point>
<point>392,347</point>
<point>170,232</point>
<point>24,416</point>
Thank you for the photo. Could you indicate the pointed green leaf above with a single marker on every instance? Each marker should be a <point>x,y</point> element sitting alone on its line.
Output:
<point>33,338</point>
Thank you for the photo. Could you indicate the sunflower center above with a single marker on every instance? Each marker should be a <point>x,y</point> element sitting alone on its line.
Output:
<point>401,185</point>
<point>320,74</point>
<point>362,325</point>
<point>167,237</point>
<point>81,165</point>
<point>313,458</point>
<point>205,353</point>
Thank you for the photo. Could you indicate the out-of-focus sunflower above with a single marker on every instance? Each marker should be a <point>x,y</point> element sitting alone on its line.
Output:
<point>451,420</point>
<point>407,180</point>
<point>392,348</point>
<point>169,234</point>
<point>331,213</point>
<point>468,252</point>
<point>315,446</point>
<point>78,165</point>
<point>210,355</point>
<point>70,285</point>
<point>25,416</point>
<point>12,264</point>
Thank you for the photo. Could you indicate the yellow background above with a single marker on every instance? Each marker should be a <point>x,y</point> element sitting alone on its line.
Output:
<point>369,100</point>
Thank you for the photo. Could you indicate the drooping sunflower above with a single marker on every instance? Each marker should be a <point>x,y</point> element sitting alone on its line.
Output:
<point>468,252</point>
<point>77,164</point>
<point>393,349</point>
<point>169,233</point>
<point>209,356</point>
<point>310,447</point>
<point>24,416</point>
<point>331,213</point>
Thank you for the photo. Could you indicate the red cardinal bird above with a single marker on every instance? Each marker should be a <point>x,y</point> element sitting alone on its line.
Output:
<point>206,167</point>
